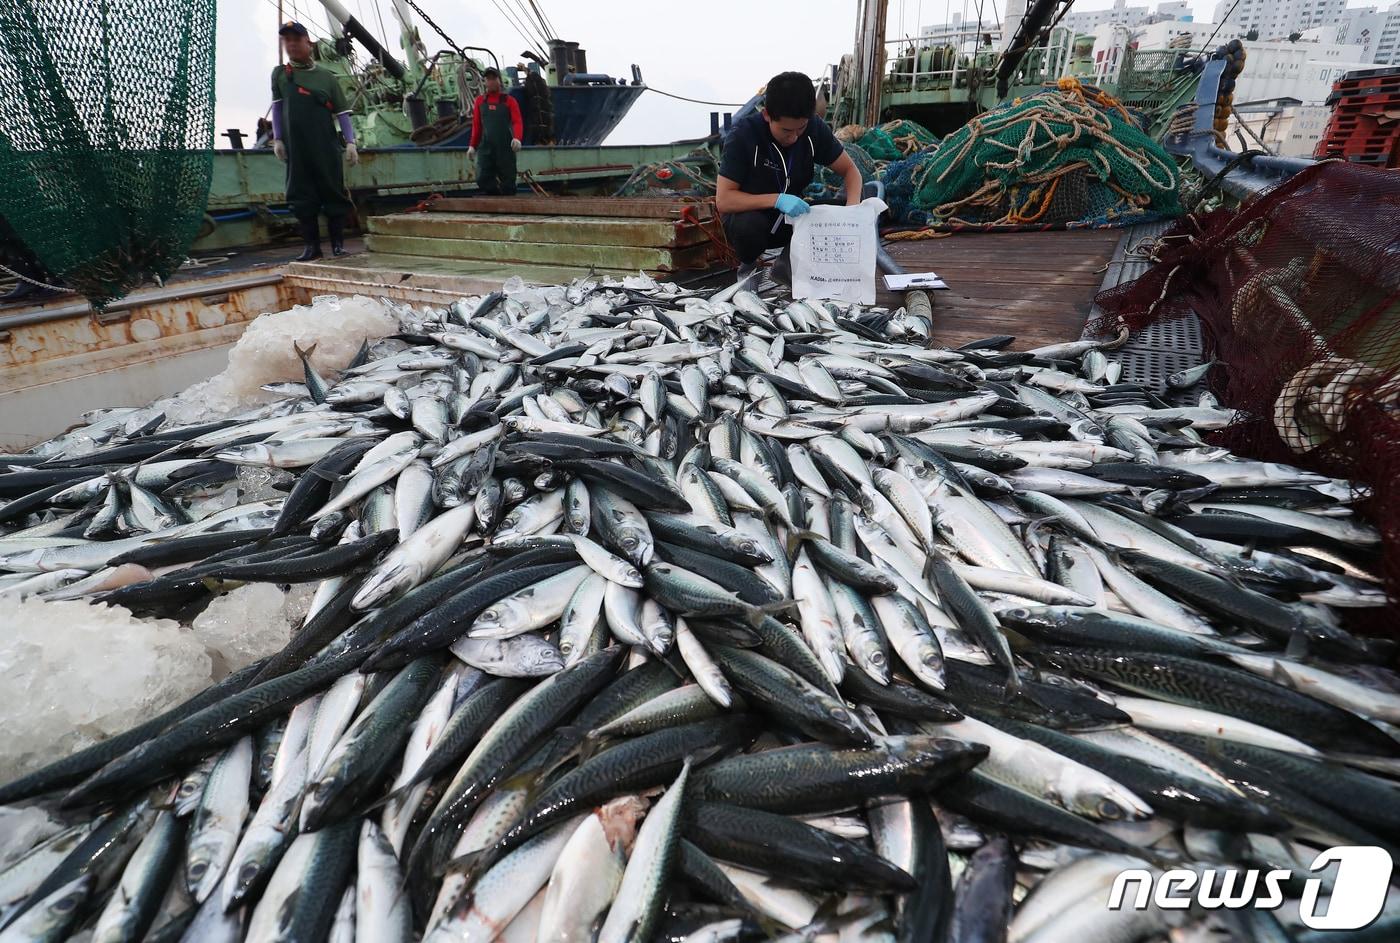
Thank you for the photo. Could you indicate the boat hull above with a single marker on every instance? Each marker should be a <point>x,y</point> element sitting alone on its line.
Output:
<point>584,115</point>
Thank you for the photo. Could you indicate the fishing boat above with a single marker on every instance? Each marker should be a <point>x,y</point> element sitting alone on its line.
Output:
<point>1025,607</point>
<point>949,74</point>
<point>412,115</point>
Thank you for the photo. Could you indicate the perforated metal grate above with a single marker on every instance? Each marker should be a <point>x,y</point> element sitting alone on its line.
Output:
<point>1183,334</point>
<point>1152,367</point>
<point>1163,347</point>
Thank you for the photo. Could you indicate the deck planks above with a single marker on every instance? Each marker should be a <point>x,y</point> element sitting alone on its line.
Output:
<point>1039,286</point>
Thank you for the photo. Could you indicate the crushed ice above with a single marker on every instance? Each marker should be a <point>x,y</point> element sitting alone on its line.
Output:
<point>243,625</point>
<point>264,354</point>
<point>23,828</point>
<point>74,672</point>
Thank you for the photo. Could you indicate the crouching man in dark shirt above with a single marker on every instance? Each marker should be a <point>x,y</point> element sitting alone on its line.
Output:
<point>769,159</point>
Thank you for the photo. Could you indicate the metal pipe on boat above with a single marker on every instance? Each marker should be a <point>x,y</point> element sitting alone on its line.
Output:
<point>559,59</point>
<point>408,37</point>
<point>356,29</point>
<point>592,78</point>
<point>158,296</point>
<point>1035,19</point>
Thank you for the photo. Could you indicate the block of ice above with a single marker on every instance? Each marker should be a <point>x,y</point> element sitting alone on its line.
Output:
<point>256,483</point>
<point>22,829</point>
<point>336,326</point>
<point>243,625</point>
<point>264,354</point>
<point>298,602</point>
<point>74,672</point>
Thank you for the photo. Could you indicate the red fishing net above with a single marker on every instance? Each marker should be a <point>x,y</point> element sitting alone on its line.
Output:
<point>1298,294</point>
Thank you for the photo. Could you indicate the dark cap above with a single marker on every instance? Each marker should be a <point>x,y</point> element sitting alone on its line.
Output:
<point>292,28</point>
<point>491,72</point>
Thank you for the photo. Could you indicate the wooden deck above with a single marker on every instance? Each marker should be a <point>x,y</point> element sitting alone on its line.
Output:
<point>1038,286</point>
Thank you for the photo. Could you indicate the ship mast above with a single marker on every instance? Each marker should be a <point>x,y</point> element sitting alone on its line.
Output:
<point>359,32</point>
<point>408,38</point>
<point>870,58</point>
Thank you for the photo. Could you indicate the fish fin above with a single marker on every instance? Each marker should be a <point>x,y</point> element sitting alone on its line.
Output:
<point>471,865</point>
<point>827,915</point>
<point>570,732</point>
<point>1297,648</point>
<point>305,352</point>
<point>797,537</point>
<point>215,585</point>
<point>927,572</point>
<point>1280,676</point>
<point>361,355</point>
<point>758,613</point>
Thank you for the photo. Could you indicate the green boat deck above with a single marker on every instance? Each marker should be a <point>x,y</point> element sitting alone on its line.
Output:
<point>247,195</point>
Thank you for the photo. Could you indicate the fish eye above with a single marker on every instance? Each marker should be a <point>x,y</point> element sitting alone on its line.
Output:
<point>1110,810</point>
<point>248,872</point>
<point>197,870</point>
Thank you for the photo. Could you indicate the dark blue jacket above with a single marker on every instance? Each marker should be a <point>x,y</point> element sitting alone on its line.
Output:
<point>758,164</point>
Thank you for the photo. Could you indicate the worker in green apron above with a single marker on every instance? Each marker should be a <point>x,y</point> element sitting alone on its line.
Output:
<point>307,106</point>
<point>496,131</point>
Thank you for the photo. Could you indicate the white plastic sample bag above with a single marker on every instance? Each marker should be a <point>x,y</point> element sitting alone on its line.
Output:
<point>833,252</point>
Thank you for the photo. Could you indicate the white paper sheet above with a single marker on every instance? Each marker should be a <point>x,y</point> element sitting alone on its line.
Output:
<point>914,280</point>
<point>833,252</point>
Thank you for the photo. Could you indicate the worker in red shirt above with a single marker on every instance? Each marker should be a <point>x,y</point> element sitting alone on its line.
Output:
<point>496,131</point>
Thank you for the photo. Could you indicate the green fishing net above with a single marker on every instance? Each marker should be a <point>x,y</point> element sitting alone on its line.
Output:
<point>106,135</point>
<point>1065,156</point>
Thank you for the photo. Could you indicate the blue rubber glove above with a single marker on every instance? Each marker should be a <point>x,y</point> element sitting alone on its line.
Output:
<point>791,205</point>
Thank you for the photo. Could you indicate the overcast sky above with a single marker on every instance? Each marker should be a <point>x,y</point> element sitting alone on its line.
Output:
<point>718,50</point>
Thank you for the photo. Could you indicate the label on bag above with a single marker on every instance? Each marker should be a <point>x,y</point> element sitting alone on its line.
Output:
<point>833,252</point>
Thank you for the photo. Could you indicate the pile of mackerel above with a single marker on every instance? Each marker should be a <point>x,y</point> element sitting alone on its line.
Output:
<point>646,614</point>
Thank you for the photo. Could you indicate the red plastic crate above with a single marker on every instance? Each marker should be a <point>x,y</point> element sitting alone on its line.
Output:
<point>1337,135</point>
<point>1359,150</point>
<point>1372,81</point>
<point>1365,102</point>
<point>1374,160</point>
<point>1374,99</point>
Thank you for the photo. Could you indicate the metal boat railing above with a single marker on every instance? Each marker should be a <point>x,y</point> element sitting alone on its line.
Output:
<point>937,60</point>
<point>1240,175</point>
<point>962,57</point>
<point>1146,78</point>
